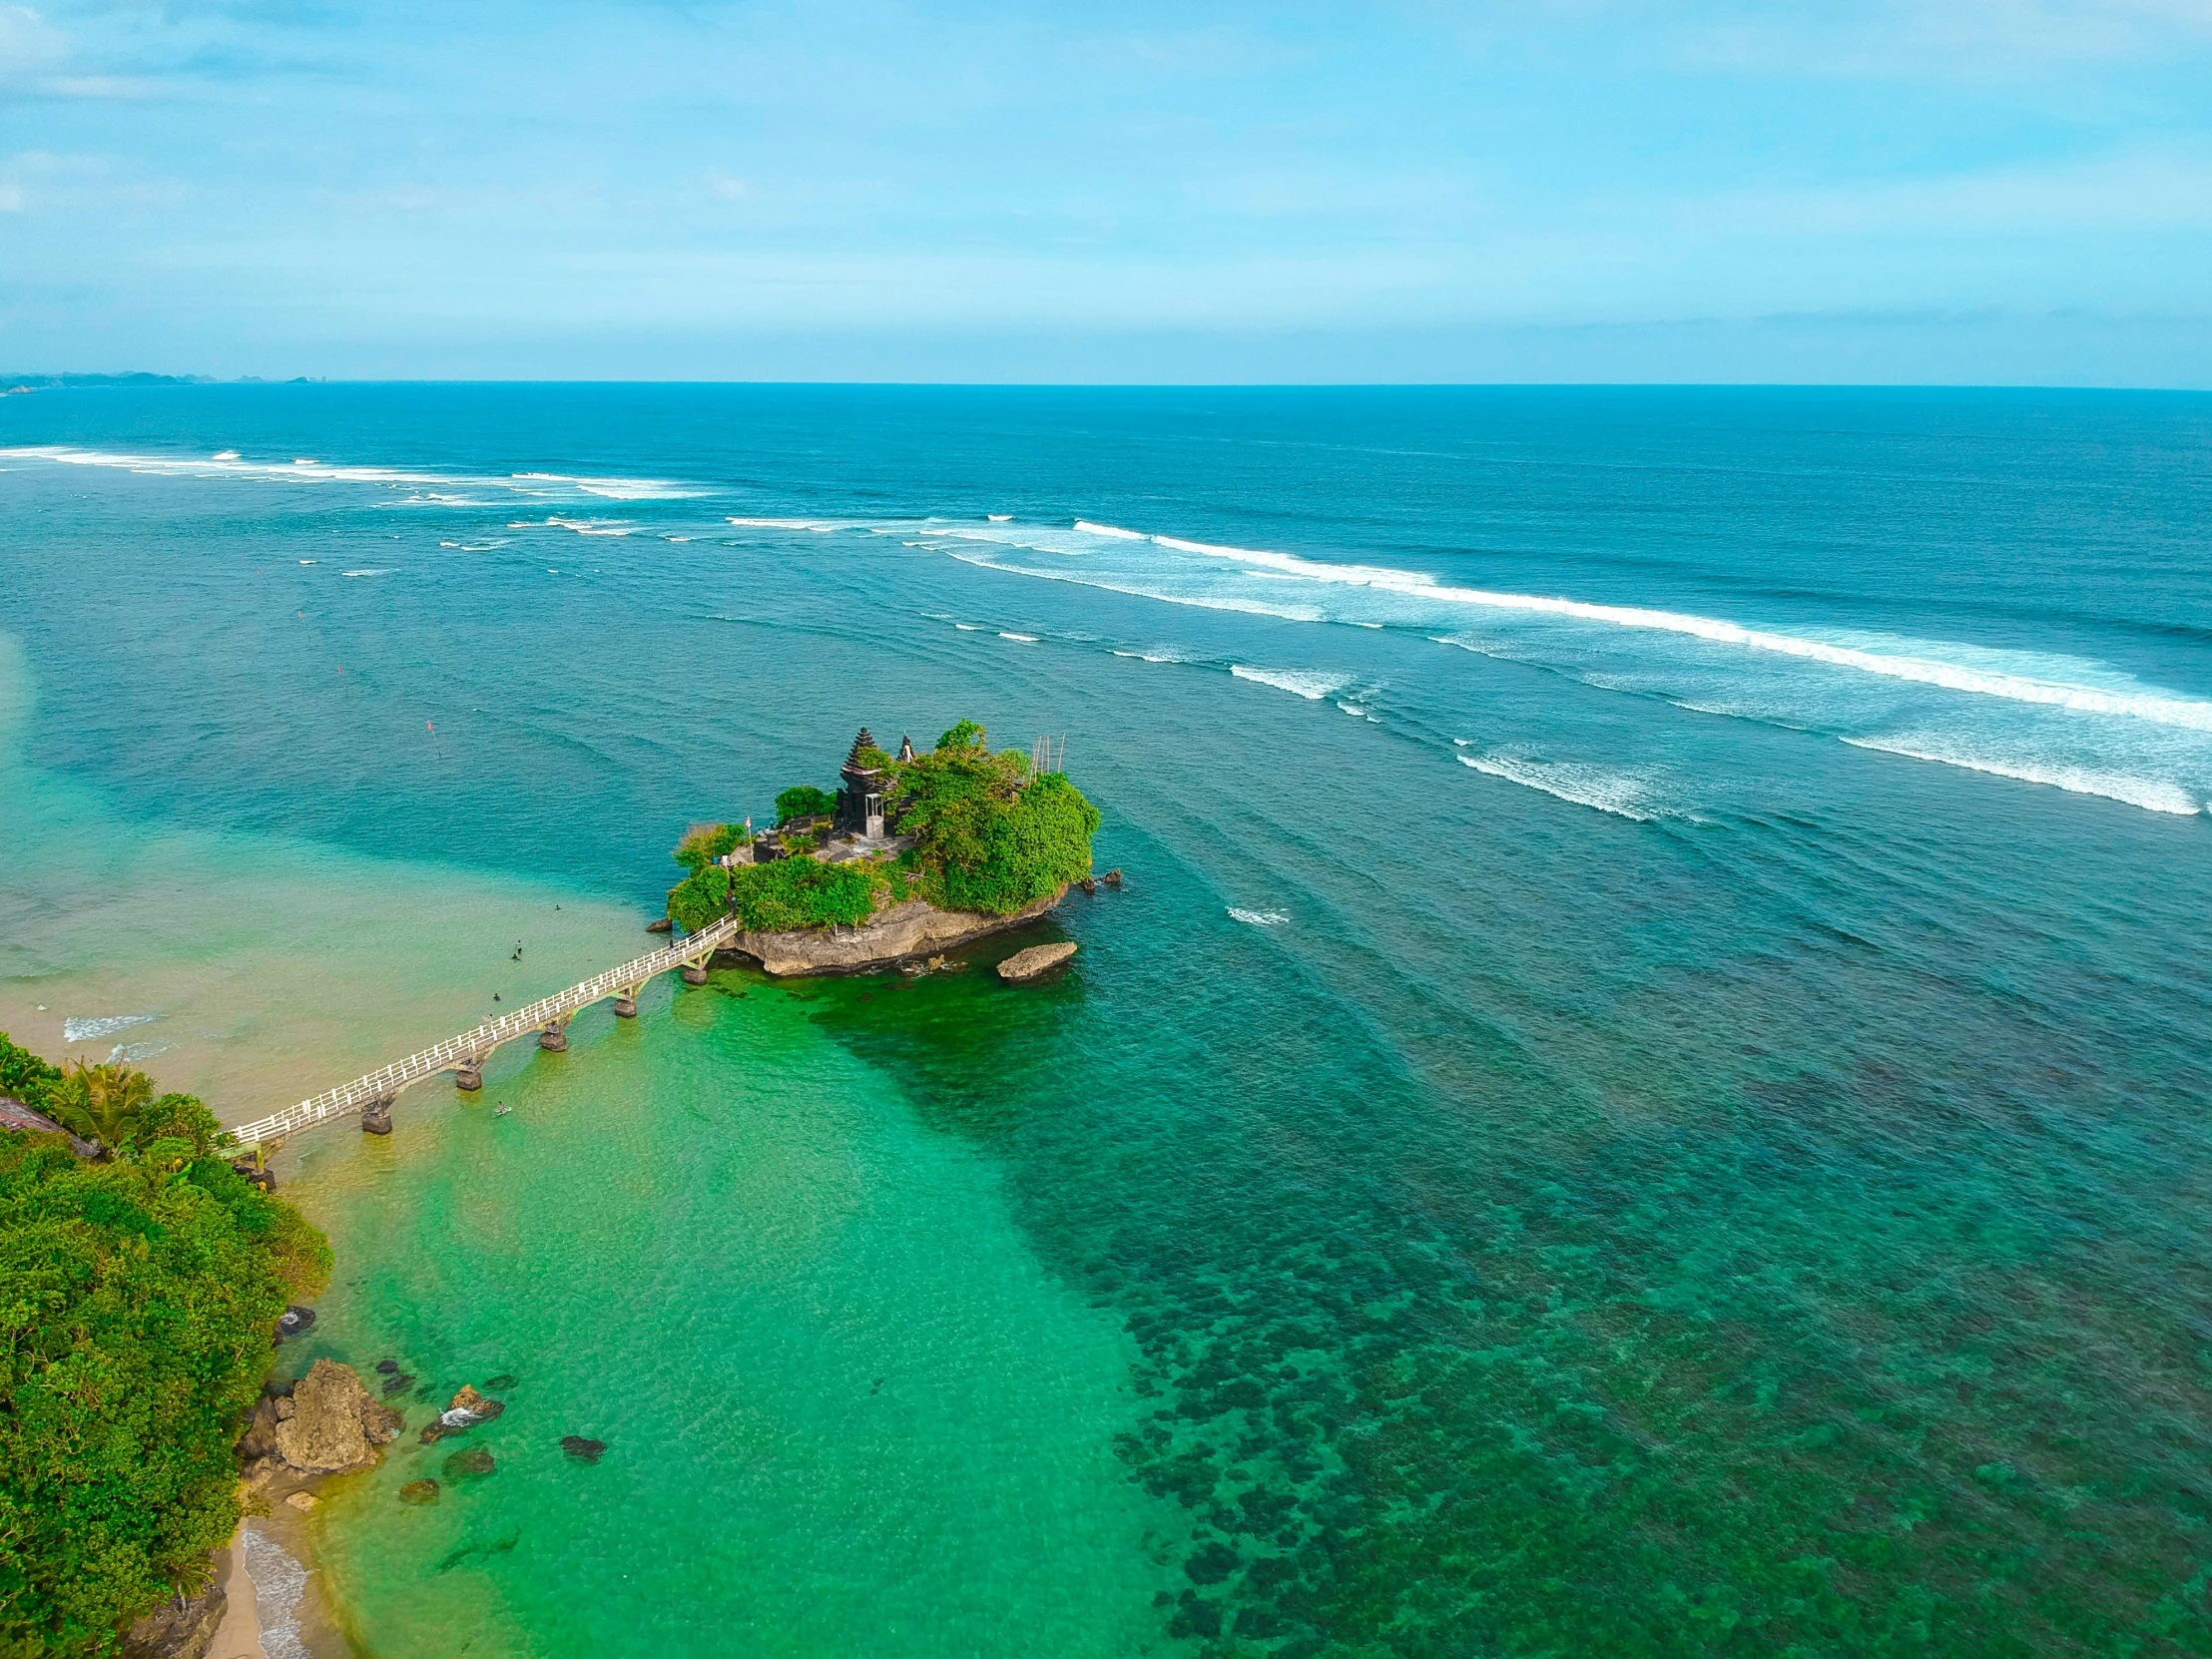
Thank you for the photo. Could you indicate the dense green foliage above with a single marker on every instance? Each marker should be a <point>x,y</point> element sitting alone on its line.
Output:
<point>25,1076</point>
<point>700,898</point>
<point>137,1298</point>
<point>991,836</point>
<point>802,892</point>
<point>802,800</point>
<point>706,842</point>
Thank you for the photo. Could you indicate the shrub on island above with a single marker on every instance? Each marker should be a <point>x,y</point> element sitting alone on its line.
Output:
<point>137,1298</point>
<point>991,835</point>
<point>802,800</point>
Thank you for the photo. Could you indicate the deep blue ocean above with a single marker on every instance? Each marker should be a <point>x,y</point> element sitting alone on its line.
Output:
<point>1647,1093</point>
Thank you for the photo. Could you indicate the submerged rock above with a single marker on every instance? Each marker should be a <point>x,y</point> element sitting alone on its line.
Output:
<point>466,1464</point>
<point>1035,963</point>
<point>384,1368</point>
<point>293,1320</point>
<point>503,1381</point>
<point>577,1447</point>
<point>398,1385</point>
<point>302,1501</point>
<point>420,1493</point>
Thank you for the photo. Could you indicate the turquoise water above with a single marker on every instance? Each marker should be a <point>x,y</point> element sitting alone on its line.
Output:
<point>1644,1094</point>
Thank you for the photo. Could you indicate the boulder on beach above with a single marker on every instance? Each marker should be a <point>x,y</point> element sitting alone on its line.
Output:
<point>420,1493</point>
<point>1035,963</point>
<point>333,1423</point>
<point>302,1501</point>
<point>577,1447</point>
<point>179,1628</point>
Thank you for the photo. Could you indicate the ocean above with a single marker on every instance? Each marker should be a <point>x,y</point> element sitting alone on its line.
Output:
<point>1644,1092</point>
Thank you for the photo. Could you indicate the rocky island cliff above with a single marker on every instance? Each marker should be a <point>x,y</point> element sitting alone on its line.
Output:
<point>915,855</point>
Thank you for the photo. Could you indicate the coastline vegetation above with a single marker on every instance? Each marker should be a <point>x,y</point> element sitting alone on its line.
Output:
<point>138,1295</point>
<point>986,831</point>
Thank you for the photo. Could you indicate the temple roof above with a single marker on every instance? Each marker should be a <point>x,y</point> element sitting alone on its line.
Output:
<point>861,743</point>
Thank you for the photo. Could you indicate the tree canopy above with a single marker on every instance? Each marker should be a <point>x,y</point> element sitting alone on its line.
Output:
<point>137,1299</point>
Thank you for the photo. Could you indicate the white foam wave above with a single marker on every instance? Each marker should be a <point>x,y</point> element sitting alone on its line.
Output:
<point>820,526</point>
<point>1246,607</point>
<point>999,518</point>
<point>1025,639</point>
<point>379,572</point>
<point>617,490</point>
<point>1153,655</point>
<point>1867,656</point>
<point>594,526</point>
<point>969,626</point>
<point>278,1585</point>
<point>105,1025</point>
<point>2150,794</point>
<point>1258,918</point>
<point>228,463</point>
<point>1310,684</point>
<point>1584,786</point>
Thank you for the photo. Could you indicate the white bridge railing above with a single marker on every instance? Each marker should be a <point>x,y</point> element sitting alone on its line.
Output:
<point>385,1083</point>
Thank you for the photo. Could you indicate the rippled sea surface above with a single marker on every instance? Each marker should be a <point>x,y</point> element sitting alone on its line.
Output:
<point>1646,1091</point>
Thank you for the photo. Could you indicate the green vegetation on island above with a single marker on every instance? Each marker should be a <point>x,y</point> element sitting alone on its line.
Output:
<point>138,1294</point>
<point>982,831</point>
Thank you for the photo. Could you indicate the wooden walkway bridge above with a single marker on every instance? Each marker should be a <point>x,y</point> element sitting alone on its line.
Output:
<point>546,1019</point>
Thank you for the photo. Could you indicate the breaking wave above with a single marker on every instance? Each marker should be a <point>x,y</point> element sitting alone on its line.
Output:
<point>228,463</point>
<point>1584,786</point>
<point>1258,918</point>
<point>2150,794</point>
<point>107,1025</point>
<point>1310,684</point>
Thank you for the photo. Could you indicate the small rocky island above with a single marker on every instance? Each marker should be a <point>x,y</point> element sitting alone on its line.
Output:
<point>915,855</point>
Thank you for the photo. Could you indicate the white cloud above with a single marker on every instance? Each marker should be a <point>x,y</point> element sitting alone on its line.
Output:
<point>28,43</point>
<point>11,199</point>
<point>728,189</point>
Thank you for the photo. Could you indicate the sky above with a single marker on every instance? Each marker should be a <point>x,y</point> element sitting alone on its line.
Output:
<point>1985,191</point>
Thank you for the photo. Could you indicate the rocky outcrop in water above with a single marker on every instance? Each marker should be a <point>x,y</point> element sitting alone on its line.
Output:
<point>913,929</point>
<point>1035,963</point>
<point>327,1423</point>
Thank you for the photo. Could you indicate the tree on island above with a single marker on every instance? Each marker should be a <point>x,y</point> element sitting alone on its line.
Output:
<point>101,1103</point>
<point>138,1295</point>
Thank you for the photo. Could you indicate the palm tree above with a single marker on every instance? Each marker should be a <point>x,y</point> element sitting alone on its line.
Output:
<point>101,1103</point>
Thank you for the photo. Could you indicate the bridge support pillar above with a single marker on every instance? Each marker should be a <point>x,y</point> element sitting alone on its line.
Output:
<point>695,974</point>
<point>626,1002</point>
<point>376,1118</point>
<point>469,1076</point>
<point>554,1039</point>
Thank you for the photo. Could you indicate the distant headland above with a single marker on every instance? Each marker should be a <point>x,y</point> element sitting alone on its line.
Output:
<point>12,384</point>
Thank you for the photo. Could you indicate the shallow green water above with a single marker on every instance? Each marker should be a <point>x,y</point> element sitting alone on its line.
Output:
<point>846,1411</point>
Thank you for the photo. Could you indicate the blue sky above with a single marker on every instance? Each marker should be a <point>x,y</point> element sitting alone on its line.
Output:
<point>1982,191</point>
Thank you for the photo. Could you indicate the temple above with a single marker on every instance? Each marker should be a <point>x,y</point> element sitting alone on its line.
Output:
<point>860,800</point>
